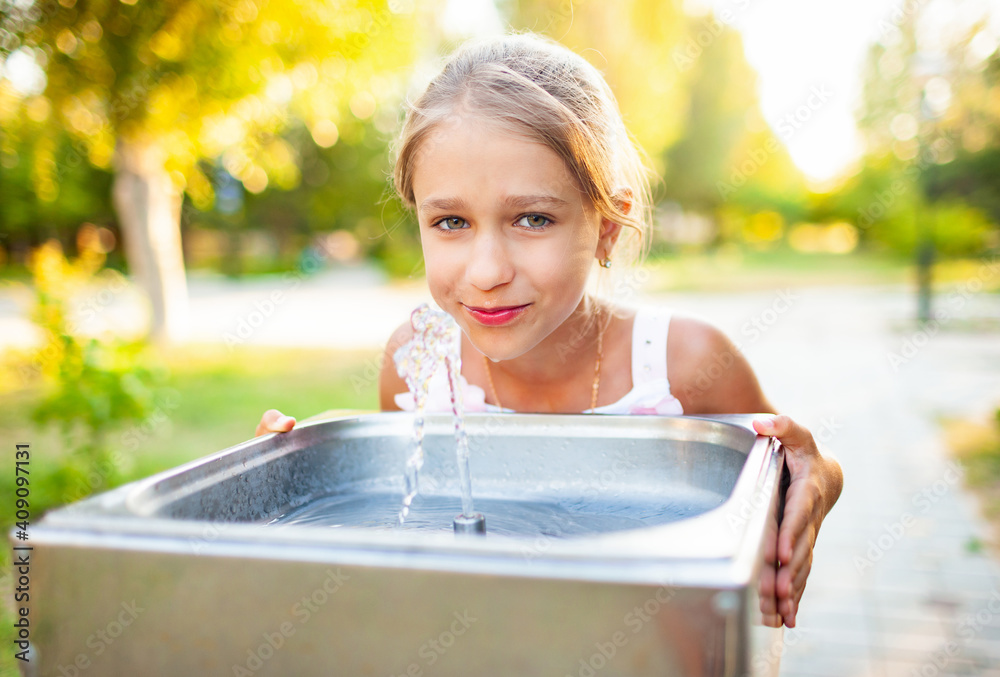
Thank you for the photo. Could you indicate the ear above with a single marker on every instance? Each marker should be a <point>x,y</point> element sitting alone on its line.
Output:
<point>611,230</point>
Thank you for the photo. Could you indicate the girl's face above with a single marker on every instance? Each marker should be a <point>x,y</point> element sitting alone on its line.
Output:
<point>508,236</point>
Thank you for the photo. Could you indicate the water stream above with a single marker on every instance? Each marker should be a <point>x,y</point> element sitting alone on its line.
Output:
<point>435,343</point>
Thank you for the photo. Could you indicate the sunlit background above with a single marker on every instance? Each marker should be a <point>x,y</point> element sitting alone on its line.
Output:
<point>264,131</point>
<point>196,222</point>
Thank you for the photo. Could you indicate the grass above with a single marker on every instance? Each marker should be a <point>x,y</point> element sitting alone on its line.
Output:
<point>220,398</point>
<point>737,268</point>
<point>729,268</point>
<point>976,444</point>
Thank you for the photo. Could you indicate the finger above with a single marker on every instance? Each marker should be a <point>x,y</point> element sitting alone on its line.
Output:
<point>789,608</point>
<point>798,520</point>
<point>273,421</point>
<point>267,421</point>
<point>771,620</point>
<point>765,591</point>
<point>769,615</point>
<point>791,584</point>
<point>793,436</point>
<point>793,573</point>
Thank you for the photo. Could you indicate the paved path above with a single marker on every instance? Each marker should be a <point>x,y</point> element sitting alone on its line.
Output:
<point>346,308</point>
<point>895,588</point>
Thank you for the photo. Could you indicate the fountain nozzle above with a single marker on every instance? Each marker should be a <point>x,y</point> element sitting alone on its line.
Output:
<point>470,525</point>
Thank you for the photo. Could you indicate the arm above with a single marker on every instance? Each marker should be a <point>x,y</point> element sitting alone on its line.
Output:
<point>711,376</point>
<point>389,382</point>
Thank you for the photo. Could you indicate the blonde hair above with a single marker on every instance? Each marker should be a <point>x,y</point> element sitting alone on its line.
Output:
<point>540,89</point>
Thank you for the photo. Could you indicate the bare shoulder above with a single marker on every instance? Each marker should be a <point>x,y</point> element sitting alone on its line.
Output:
<point>389,382</point>
<point>707,371</point>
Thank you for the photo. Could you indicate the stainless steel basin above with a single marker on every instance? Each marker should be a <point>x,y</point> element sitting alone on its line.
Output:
<point>616,546</point>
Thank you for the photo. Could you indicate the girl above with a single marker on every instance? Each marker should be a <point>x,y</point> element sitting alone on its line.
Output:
<point>524,180</point>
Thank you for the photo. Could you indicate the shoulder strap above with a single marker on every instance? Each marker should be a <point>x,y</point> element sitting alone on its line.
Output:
<point>649,345</point>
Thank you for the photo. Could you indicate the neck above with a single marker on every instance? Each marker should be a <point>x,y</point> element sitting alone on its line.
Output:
<point>558,373</point>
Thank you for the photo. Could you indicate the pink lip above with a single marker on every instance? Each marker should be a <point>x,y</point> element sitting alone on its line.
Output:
<point>495,317</point>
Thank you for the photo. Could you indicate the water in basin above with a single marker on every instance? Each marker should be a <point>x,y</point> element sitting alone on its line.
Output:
<point>559,517</point>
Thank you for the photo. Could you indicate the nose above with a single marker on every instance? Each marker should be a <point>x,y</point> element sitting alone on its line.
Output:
<point>490,263</point>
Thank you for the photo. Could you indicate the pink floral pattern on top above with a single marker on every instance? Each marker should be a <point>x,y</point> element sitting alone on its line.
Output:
<point>439,395</point>
<point>652,398</point>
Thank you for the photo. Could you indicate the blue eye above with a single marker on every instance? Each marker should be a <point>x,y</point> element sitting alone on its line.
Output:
<point>451,223</point>
<point>533,221</point>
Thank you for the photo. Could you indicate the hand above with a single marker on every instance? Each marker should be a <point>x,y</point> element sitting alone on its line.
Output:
<point>273,421</point>
<point>814,488</point>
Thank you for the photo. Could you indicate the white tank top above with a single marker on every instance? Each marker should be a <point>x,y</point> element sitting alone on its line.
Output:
<point>650,392</point>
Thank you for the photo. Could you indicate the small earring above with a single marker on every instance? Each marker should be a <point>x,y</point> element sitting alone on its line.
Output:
<point>605,262</point>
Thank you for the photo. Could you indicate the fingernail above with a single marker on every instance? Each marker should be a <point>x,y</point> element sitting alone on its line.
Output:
<point>284,420</point>
<point>766,423</point>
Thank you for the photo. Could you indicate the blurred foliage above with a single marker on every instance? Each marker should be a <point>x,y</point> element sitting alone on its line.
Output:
<point>343,188</point>
<point>212,399</point>
<point>28,219</point>
<point>976,444</point>
<point>622,40</point>
<point>92,387</point>
<point>299,101</point>
<point>727,156</point>
<point>931,122</point>
<point>257,89</point>
<point>203,80</point>
<point>974,177</point>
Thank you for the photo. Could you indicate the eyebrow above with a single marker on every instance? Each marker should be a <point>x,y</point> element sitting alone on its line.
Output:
<point>510,201</point>
<point>522,201</point>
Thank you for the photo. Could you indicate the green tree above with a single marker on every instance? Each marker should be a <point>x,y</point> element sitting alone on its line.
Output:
<point>728,158</point>
<point>930,115</point>
<point>154,90</point>
<point>722,104</point>
<point>637,44</point>
<point>92,387</point>
<point>970,133</point>
<point>27,220</point>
